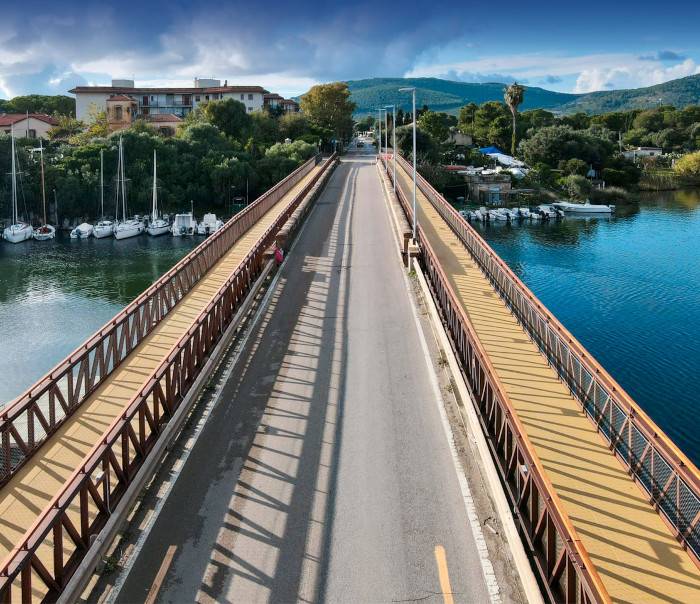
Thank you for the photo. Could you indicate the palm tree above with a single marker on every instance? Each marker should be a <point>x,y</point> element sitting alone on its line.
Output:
<point>513,96</point>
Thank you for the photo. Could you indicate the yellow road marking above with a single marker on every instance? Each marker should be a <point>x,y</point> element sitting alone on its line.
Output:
<point>444,575</point>
<point>162,571</point>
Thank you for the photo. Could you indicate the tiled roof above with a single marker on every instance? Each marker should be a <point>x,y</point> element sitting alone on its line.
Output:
<point>143,90</point>
<point>120,97</point>
<point>7,119</point>
<point>162,117</point>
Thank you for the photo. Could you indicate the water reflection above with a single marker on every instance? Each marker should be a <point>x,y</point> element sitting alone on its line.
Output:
<point>54,294</point>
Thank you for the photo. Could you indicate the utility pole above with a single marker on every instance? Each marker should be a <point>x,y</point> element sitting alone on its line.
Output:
<point>413,90</point>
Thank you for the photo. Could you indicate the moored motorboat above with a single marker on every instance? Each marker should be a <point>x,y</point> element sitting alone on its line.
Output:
<point>44,232</point>
<point>82,231</point>
<point>583,208</point>
<point>183,225</point>
<point>209,224</point>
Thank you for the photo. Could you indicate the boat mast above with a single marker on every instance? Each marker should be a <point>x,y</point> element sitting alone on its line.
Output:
<point>43,189</point>
<point>121,153</point>
<point>102,184</point>
<point>118,183</point>
<point>14,177</point>
<point>154,214</point>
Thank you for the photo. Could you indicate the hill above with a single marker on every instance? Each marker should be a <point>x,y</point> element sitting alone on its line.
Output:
<point>679,93</point>
<point>443,95</point>
<point>449,96</point>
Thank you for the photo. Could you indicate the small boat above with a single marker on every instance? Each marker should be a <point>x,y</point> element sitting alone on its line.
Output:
<point>583,208</point>
<point>512,214</point>
<point>524,213</point>
<point>104,228</point>
<point>464,214</point>
<point>45,231</point>
<point>157,224</point>
<point>82,231</point>
<point>498,215</point>
<point>125,228</point>
<point>183,225</point>
<point>547,212</point>
<point>209,224</point>
<point>17,231</point>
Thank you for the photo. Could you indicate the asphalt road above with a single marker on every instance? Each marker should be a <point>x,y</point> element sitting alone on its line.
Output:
<point>324,473</point>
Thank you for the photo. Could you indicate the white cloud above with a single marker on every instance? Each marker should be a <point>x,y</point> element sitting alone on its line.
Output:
<point>591,72</point>
<point>635,75</point>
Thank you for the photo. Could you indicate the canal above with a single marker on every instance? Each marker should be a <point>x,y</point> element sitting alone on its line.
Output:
<point>627,287</point>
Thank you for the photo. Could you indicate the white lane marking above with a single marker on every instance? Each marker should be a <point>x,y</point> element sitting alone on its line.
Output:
<point>484,558</point>
<point>206,414</point>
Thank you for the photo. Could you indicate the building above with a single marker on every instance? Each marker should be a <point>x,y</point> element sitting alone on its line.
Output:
<point>640,152</point>
<point>171,101</point>
<point>275,101</point>
<point>165,123</point>
<point>32,125</point>
<point>121,111</point>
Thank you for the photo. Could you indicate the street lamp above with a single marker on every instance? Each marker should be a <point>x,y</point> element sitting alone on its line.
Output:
<point>393,143</point>
<point>379,140</point>
<point>413,90</point>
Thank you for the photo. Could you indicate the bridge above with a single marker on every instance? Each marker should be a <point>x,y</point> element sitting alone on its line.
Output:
<point>324,461</point>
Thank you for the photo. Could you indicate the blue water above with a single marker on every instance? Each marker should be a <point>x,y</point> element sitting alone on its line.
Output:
<point>628,288</point>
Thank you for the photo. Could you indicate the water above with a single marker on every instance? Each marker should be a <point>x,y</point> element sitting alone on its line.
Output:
<point>54,294</point>
<point>628,288</point>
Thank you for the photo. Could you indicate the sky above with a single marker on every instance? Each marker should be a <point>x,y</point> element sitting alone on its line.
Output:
<point>49,47</point>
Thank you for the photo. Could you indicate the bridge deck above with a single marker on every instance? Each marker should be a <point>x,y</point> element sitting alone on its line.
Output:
<point>33,487</point>
<point>635,554</point>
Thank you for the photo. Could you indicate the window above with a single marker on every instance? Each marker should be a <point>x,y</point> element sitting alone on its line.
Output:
<point>186,99</point>
<point>118,111</point>
<point>250,108</point>
<point>145,110</point>
<point>153,98</point>
<point>32,133</point>
<point>196,99</point>
<point>206,97</point>
<point>250,97</point>
<point>242,97</point>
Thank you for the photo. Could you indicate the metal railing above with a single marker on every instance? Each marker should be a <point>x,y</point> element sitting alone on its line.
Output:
<point>64,531</point>
<point>565,569</point>
<point>669,479</point>
<point>31,418</point>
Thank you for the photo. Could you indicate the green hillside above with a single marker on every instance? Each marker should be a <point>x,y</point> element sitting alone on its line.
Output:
<point>443,95</point>
<point>449,96</point>
<point>679,93</point>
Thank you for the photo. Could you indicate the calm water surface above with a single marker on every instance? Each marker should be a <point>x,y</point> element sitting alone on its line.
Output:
<point>629,289</point>
<point>54,294</point>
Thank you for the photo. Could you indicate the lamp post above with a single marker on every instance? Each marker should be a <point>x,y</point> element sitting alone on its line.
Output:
<point>393,142</point>
<point>379,140</point>
<point>386,139</point>
<point>413,90</point>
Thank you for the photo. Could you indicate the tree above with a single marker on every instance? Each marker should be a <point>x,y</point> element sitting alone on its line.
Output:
<point>435,124</point>
<point>65,128</point>
<point>299,151</point>
<point>329,107</point>
<point>688,165</point>
<point>38,103</point>
<point>467,116</point>
<point>366,123</point>
<point>229,116</point>
<point>552,144</point>
<point>294,126</point>
<point>574,166</point>
<point>514,96</point>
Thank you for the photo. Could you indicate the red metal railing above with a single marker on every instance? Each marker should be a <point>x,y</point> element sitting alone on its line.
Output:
<point>63,532</point>
<point>565,569</point>
<point>27,422</point>
<point>665,474</point>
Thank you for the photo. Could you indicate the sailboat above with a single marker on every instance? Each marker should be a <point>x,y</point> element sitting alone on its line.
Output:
<point>103,228</point>
<point>156,226</point>
<point>124,228</point>
<point>45,231</point>
<point>17,231</point>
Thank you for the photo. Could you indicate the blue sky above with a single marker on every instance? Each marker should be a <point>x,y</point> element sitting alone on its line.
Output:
<point>48,47</point>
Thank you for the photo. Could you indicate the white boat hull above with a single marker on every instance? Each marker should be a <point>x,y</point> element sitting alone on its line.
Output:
<point>82,231</point>
<point>156,230</point>
<point>128,229</point>
<point>44,233</point>
<point>101,231</point>
<point>17,233</point>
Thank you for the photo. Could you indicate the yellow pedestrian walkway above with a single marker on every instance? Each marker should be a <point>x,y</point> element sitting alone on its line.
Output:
<point>28,493</point>
<point>635,554</point>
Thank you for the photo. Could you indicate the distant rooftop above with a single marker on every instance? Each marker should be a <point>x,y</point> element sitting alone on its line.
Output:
<point>8,119</point>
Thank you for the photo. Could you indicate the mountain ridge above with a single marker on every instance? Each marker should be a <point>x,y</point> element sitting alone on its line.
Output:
<point>449,95</point>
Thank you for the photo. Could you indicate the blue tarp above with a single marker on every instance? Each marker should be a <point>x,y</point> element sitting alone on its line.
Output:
<point>487,150</point>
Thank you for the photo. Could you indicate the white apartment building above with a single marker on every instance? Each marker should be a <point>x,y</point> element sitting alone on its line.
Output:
<point>173,101</point>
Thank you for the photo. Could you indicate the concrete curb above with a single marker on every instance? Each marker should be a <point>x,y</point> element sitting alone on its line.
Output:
<point>470,421</point>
